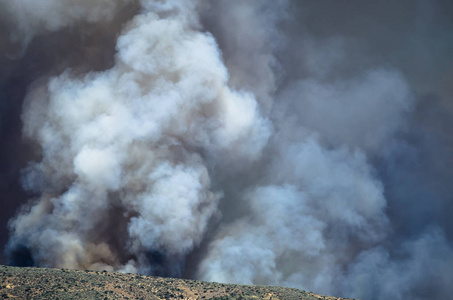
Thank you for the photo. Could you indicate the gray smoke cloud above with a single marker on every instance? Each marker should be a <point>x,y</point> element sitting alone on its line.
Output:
<point>275,142</point>
<point>32,18</point>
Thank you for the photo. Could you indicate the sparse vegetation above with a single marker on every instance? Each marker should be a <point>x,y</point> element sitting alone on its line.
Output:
<point>40,283</point>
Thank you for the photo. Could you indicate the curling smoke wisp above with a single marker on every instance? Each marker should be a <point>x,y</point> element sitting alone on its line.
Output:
<point>247,142</point>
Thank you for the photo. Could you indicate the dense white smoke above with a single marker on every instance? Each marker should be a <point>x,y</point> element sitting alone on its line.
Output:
<point>127,138</point>
<point>239,139</point>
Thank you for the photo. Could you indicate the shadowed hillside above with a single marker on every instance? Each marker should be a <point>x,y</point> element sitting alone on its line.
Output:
<point>40,283</point>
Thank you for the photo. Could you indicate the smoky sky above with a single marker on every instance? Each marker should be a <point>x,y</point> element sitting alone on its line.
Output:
<point>295,143</point>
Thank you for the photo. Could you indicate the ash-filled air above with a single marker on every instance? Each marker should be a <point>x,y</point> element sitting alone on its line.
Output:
<point>295,143</point>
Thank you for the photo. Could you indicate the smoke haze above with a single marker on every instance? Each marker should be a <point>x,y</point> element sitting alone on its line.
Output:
<point>293,143</point>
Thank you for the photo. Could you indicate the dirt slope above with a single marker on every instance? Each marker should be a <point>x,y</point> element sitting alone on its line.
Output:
<point>40,283</point>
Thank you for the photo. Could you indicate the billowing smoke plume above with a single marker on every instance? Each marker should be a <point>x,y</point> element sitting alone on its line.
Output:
<point>129,139</point>
<point>256,142</point>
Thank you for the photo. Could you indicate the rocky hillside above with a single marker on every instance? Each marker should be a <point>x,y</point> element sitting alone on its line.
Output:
<point>40,283</point>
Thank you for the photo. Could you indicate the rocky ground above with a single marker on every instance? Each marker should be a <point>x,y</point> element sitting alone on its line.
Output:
<point>40,283</point>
